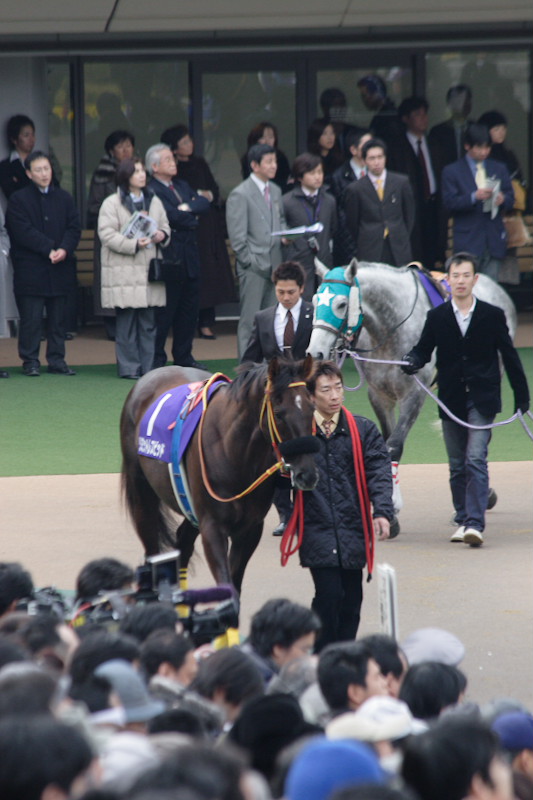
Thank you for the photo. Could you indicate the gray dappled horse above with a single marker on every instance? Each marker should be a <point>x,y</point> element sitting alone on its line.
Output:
<point>394,307</point>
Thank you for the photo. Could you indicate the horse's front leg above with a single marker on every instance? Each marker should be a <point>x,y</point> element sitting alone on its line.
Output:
<point>215,539</point>
<point>242,549</point>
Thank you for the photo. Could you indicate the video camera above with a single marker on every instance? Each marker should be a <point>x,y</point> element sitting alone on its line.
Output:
<point>158,581</point>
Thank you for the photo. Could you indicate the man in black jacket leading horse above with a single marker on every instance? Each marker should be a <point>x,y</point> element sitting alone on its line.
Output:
<point>339,528</point>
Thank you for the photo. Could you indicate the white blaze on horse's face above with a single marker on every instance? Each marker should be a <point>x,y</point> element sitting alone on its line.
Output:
<point>298,402</point>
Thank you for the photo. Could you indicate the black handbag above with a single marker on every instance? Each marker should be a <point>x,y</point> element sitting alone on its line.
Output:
<point>167,270</point>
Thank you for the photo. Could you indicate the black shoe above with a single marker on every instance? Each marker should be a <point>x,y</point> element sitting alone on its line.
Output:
<point>69,336</point>
<point>206,335</point>
<point>64,370</point>
<point>4,373</point>
<point>194,365</point>
<point>130,377</point>
<point>31,372</point>
<point>280,530</point>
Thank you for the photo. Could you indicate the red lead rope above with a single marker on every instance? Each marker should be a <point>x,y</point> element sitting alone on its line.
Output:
<point>289,547</point>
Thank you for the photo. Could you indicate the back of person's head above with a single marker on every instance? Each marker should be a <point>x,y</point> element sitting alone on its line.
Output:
<point>289,271</point>
<point>305,162</point>
<point>15,584</point>
<point>410,104</point>
<point>332,98</point>
<point>11,651</point>
<point>94,693</point>
<point>178,720</point>
<point>280,622</point>
<point>37,753</point>
<point>114,138</point>
<point>171,136</point>
<point>141,621</point>
<point>103,575</point>
<point>386,651</point>
<point>294,677</point>
<point>231,671</point>
<point>353,137</point>
<point>441,763</point>
<point>372,792</point>
<point>430,687</point>
<point>477,135</point>
<point>25,688</point>
<point>100,646</point>
<point>14,127</point>
<point>324,766</point>
<point>258,151</point>
<point>339,666</point>
<point>214,774</point>
<point>164,646</point>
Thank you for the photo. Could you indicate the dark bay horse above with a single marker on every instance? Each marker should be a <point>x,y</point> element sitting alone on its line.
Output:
<point>237,448</point>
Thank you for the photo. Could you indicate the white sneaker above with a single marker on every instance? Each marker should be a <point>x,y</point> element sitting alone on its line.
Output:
<point>473,538</point>
<point>458,535</point>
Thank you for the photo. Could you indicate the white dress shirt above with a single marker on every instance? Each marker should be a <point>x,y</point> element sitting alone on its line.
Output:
<point>280,320</point>
<point>463,320</point>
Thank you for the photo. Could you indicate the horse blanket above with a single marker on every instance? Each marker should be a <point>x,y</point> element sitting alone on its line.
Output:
<point>166,430</point>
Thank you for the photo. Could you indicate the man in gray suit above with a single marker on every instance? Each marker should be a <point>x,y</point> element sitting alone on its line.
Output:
<point>253,211</point>
<point>270,335</point>
<point>380,210</point>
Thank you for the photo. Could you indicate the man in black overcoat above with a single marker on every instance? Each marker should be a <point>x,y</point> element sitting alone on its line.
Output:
<point>44,228</point>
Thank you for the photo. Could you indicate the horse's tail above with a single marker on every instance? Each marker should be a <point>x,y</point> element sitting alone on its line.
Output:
<point>146,509</point>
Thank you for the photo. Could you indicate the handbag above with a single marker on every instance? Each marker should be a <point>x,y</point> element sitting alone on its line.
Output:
<point>517,233</point>
<point>166,270</point>
<point>519,196</point>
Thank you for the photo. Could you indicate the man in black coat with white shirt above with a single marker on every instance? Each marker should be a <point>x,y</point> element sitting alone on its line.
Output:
<point>44,228</point>
<point>182,206</point>
<point>469,334</point>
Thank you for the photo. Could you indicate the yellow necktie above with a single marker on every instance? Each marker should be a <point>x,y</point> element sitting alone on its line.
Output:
<point>481,175</point>
<point>379,189</point>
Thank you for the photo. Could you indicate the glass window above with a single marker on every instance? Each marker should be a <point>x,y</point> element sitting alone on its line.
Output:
<point>498,80</point>
<point>140,96</point>
<point>398,80</point>
<point>233,103</point>
<point>60,119</point>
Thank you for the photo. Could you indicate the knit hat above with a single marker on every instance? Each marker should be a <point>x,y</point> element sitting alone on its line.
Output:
<point>380,718</point>
<point>433,644</point>
<point>127,683</point>
<point>515,730</point>
<point>325,766</point>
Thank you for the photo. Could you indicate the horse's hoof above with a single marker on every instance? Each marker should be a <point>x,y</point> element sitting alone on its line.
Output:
<point>492,499</point>
<point>394,528</point>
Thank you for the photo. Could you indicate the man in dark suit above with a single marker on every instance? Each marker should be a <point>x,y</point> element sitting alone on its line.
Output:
<point>269,333</point>
<point>283,329</point>
<point>380,210</point>
<point>467,193</point>
<point>44,228</point>
<point>448,136</point>
<point>352,170</point>
<point>182,206</point>
<point>413,155</point>
<point>469,334</point>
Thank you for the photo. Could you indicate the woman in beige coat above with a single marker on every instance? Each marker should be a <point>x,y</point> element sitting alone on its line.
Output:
<point>125,265</point>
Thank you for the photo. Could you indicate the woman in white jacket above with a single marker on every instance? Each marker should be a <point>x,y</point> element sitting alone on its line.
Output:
<point>125,263</point>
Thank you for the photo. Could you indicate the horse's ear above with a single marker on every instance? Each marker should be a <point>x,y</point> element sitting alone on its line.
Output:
<point>308,366</point>
<point>320,268</point>
<point>273,368</point>
<point>351,270</point>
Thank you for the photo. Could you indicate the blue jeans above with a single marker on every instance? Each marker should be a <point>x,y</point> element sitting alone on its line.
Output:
<point>469,475</point>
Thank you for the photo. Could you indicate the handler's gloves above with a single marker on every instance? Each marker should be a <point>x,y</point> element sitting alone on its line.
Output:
<point>522,407</point>
<point>411,367</point>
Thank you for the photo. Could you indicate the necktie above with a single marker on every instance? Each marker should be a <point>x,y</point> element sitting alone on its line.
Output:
<point>327,424</point>
<point>175,191</point>
<point>288,333</point>
<point>481,175</point>
<point>379,188</point>
<point>266,195</point>
<point>423,166</point>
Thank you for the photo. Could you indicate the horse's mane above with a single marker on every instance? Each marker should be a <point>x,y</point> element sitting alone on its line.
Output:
<point>251,376</point>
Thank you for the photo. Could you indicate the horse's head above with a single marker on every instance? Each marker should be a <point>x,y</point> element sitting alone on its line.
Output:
<point>289,416</point>
<point>338,313</point>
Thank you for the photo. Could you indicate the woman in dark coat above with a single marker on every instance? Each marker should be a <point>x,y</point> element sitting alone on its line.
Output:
<point>322,141</point>
<point>267,133</point>
<point>217,284</point>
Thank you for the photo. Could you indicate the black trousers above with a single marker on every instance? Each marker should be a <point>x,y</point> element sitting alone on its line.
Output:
<point>31,309</point>
<point>337,601</point>
<point>180,314</point>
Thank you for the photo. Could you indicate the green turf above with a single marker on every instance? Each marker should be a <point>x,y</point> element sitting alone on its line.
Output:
<point>56,425</point>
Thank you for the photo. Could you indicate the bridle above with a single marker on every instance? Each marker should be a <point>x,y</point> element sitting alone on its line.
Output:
<point>273,433</point>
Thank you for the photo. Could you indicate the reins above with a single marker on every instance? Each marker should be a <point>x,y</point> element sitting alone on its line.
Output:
<point>275,439</point>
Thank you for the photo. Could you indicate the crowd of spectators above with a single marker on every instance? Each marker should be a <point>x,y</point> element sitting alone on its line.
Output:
<point>130,708</point>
